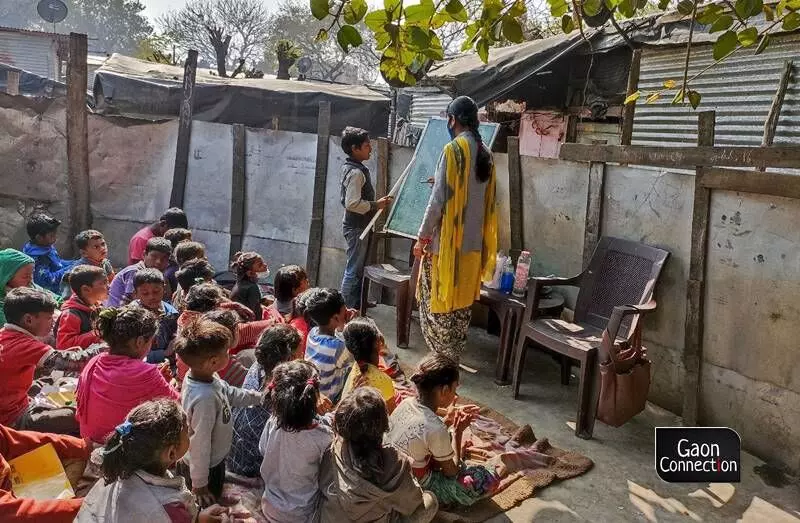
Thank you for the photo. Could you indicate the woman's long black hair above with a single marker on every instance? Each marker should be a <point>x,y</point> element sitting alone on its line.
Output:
<point>465,111</point>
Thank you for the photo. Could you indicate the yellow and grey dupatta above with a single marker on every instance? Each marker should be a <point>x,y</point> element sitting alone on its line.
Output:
<point>457,276</point>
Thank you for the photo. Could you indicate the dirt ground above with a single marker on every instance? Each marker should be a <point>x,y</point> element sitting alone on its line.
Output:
<point>622,485</point>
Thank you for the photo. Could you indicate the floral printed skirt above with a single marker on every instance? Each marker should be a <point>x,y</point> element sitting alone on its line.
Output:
<point>445,333</point>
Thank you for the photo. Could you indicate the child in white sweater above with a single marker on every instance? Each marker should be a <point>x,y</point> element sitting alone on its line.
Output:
<point>203,346</point>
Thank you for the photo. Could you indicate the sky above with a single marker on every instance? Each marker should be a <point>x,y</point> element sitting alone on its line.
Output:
<point>156,8</point>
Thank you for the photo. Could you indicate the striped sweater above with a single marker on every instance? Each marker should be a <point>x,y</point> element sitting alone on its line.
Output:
<point>332,359</point>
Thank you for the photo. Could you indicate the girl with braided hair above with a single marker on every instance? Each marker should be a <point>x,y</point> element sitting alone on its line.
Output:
<point>458,236</point>
<point>114,382</point>
<point>137,485</point>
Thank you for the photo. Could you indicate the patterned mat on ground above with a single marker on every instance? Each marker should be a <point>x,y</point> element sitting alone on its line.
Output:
<point>490,434</point>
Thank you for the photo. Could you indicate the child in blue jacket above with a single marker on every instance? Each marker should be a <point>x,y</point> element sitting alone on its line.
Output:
<point>48,268</point>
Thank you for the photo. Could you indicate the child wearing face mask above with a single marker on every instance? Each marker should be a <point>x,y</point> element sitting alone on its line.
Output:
<point>249,267</point>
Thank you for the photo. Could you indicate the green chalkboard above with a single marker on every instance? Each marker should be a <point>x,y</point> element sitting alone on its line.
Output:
<point>411,200</point>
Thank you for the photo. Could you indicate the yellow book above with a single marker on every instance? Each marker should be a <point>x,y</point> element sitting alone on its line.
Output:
<point>62,399</point>
<point>39,474</point>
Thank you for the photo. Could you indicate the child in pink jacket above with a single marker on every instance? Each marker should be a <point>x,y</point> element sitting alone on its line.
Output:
<point>114,382</point>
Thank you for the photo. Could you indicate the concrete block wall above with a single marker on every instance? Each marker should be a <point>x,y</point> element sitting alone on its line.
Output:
<point>751,368</point>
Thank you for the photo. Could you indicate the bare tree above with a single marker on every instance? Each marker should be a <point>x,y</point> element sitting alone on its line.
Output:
<point>228,33</point>
<point>292,21</point>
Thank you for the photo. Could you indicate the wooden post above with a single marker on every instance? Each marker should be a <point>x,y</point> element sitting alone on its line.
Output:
<point>629,109</point>
<point>515,196</point>
<point>184,132</point>
<point>771,124</point>
<point>381,190</point>
<point>594,207</point>
<point>12,82</point>
<point>320,180</point>
<point>571,134</point>
<point>695,290</point>
<point>238,188</point>
<point>77,136</point>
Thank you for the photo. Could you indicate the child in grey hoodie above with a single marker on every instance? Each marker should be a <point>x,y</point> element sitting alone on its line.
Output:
<point>362,480</point>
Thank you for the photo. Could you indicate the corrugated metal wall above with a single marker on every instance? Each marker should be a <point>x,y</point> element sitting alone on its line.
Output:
<point>740,89</point>
<point>33,53</point>
<point>427,103</point>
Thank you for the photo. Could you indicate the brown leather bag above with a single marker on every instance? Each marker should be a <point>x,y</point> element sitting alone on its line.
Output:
<point>624,380</point>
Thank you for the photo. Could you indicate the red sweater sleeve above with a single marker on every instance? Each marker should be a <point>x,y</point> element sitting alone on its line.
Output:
<point>33,511</point>
<point>69,333</point>
<point>14,443</point>
<point>178,513</point>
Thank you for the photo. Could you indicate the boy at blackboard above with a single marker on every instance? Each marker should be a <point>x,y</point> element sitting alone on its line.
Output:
<point>358,200</point>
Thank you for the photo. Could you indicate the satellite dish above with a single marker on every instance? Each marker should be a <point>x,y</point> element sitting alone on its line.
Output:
<point>53,11</point>
<point>304,65</point>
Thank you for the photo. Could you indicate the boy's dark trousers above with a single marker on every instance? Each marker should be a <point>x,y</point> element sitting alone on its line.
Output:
<point>216,477</point>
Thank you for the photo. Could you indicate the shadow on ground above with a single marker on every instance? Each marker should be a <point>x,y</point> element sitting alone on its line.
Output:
<point>623,485</point>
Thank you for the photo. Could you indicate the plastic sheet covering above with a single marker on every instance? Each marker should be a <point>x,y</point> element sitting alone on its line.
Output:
<point>132,87</point>
<point>31,84</point>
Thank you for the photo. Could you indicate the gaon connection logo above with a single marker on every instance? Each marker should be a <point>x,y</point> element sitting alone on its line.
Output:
<point>698,454</point>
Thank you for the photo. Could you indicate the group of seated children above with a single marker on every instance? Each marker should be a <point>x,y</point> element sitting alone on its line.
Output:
<point>296,392</point>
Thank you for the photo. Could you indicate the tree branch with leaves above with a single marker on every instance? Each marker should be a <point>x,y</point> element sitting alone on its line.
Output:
<point>408,41</point>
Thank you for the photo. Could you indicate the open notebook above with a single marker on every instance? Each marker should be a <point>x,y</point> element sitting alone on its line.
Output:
<point>39,474</point>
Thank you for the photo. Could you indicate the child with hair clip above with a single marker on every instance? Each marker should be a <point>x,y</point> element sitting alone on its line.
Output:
<point>137,486</point>
<point>249,267</point>
<point>116,381</point>
<point>203,346</point>
<point>293,442</point>
<point>365,342</point>
<point>277,345</point>
<point>361,479</point>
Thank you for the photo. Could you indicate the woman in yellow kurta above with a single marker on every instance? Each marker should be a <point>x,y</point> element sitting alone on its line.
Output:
<point>458,236</point>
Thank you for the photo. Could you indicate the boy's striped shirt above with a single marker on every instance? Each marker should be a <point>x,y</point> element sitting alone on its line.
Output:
<point>332,359</point>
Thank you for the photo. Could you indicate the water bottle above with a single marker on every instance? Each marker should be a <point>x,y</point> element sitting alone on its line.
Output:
<point>521,278</point>
<point>499,265</point>
<point>507,281</point>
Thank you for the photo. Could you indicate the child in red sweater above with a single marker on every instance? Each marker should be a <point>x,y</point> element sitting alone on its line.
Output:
<point>29,313</point>
<point>74,327</point>
<point>16,443</point>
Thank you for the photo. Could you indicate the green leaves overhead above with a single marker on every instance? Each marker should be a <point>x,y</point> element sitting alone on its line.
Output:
<point>746,8</point>
<point>694,98</point>
<point>747,37</point>
<point>319,8</point>
<point>407,32</point>
<point>456,10</point>
<point>685,7</point>
<point>354,11</point>
<point>725,45</point>
<point>723,23</point>
<point>567,25</point>
<point>347,37</point>
<point>512,30</point>
<point>791,22</point>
